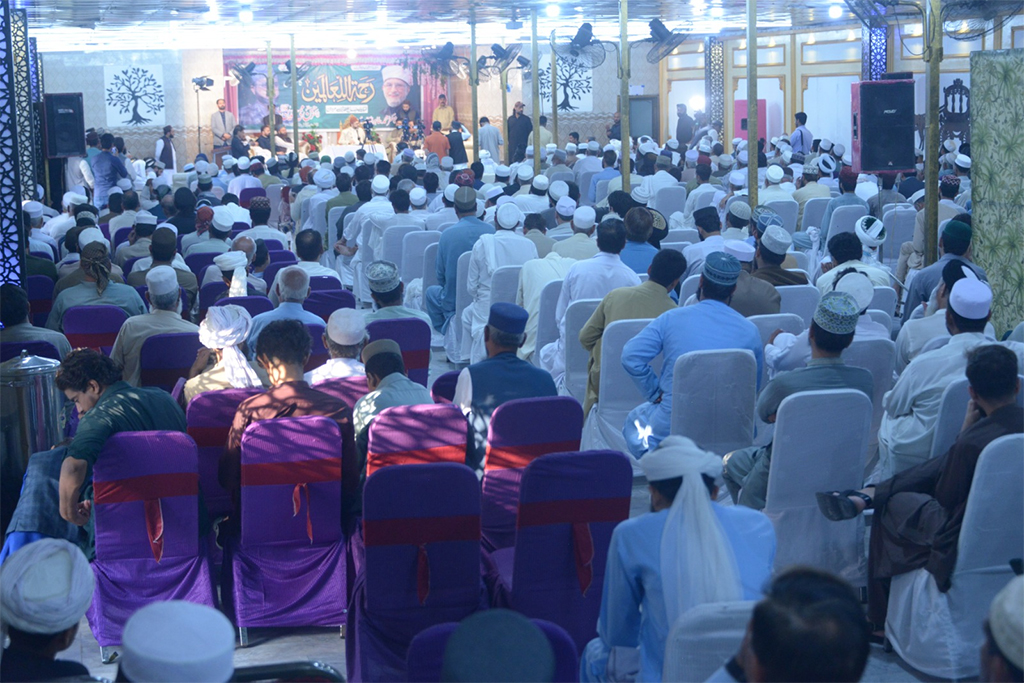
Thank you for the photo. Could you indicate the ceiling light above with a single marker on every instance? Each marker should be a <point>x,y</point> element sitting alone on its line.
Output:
<point>717,12</point>
<point>835,12</point>
<point>351,54</point>
<point>553,10</point>
<point>245,14</point>
<point>697,103</point>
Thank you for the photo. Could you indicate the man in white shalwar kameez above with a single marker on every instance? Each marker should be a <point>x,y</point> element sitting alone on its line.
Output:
<point>353,234</point>
<point>687,551</point>
<point>503,248</point>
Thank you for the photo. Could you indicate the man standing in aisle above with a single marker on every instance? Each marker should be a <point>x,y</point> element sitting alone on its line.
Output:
<point>222,122</point>
<point>801,138</point>
<point>519,128</point>
<point>165,153</point>
<point>684,127</point>
<point>490,137</point>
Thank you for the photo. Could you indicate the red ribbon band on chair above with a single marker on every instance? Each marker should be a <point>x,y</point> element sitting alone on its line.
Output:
<point>416,358</point>
<point>210,437</point>
<point>418,456</point>
<point>513,457</point>
<point>421,531</point>
<point>580,514</point>
<point>150,489</point>
<point>300,473</point>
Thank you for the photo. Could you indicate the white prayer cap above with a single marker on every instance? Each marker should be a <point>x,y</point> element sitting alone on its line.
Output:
<point>228,162</point>
<point>202,166</point>
<point>691,155</point>
<point>418,196</point>
<point>971,299</point>
<point>234,262</point>
<point>737,178</point>
<point>550,147</point>
<point>124,183</point>
<point>449,191</point>
<point>570,148</point>
<point>672,144</point>
<point>161,280</point>
<point>45,587</point>
<point>839,150</point>
<point>917,196</point>
<point>858,285</point>
<point>640,195</point>
<point>775,140</point>
<point>243,163</point>
<point>566,206</point>
<point>541,182</point>
<point>774,174</point>
<point>493,192</point>
<point>825,145</point>
<point>114,190</point>
<point>787,156</point>
<point>1006,621</point>
<point>240,215</point>
<point>584,218</point>
<point>33,209</point>
<point>323,179</point>
<point>738,247</point>
<point>743,145</point>
<point>593,146</point>
<point>963,161</point>
<point>346,170</point>
<point>502,171</point>
<point>74,199</point>
<point>380,185</point>
<point>704,147</point>
<point>447,163</point>
<point>736,142</point>
<point>90,235</point>
<point>176,641</point>
<point>347,327</point>
<point>504,200</point>
<point>776,240</point>
<point>508,215</point>
<point>370,159</point>
<point>725,161</point>
<point>396,71</point>
<point>484,154</point>
<point>144,217</point>
<point>870,230</point>
<point>524,173</point>
<point>651,148</point>
<point>951,145</point>
<point>223,218</point>
<point>743,157</point>
<point>827,164</point>
<point>170,226</point>
<point>558,189</point>
<point>307,163</point>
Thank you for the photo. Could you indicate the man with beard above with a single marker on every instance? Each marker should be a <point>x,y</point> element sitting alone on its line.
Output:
<point>397,84</point>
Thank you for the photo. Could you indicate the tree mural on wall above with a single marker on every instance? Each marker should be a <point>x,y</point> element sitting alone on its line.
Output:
<point>132,87</point>
<point>574,80</point>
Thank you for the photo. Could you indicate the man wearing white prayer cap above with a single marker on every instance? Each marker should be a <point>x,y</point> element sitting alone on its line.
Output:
<point>771,252</point>
<point>58,226</point>
<point>581,244</point>
<point>45,589</point>
<point>565,208</point>
<point>535,200</point>
<point>771,191</point>
<point>1002,655</point>
<point>344,338</point>
<point>687,551</point>
<point>243,179</point>
<point>222,364</point>
<point>326,184</point>
<point>912,407</point>
<point>177,642</point>
<point>164,317</point>
<point>492,251</point>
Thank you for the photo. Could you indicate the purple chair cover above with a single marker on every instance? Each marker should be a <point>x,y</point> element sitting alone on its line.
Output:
<point>254,304</point>
<point>320,283</point>
<point>275,245</point>
<point>348,389</point>
<point>421,527</point>
<point>325,302</point>
<point>272,269</point>
<point>196,262</point>
<point>280,255</point>
<point>48,255</point>
<point>130,263</point>
<point>165,358</point>
<point>120,237</point>
<point>44,349</point>
<point>209,416</point>
<point>287,567</point>
<point>146,510</point>
<point>569,504</point>
<point>409,435</point>
<point>208,294</point>
<point>443,388</point>
<point>40,298</point>
<point>179,386</point>
<point>95,327</point>
<point>521,430</point>
<point>318,354</point>
<point>412,336</point>
<point>246,195</point>
<point>105,229</point>
<point>426,653</point>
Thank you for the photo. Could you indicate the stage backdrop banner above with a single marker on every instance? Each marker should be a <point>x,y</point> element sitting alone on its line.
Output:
<point>134,95</point>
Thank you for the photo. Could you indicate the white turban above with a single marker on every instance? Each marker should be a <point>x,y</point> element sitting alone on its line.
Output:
<point>698,565</point>
<point>45,587</point>
<point>224,328</point>
<point>236,262</point>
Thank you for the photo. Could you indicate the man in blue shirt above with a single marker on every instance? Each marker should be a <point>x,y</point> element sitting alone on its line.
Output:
<point>638,253</point>
<point>292,287</point>
<point>107,169</point>
<point>708,325</point>
<point>607,172</point>
<point>848,197</point>
<point>801,138</point>
<point>455,241</point>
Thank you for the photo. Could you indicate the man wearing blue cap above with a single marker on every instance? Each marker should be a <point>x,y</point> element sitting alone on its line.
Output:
<point>832,328</point>
<point>709,324</point>
<point>502,377</point>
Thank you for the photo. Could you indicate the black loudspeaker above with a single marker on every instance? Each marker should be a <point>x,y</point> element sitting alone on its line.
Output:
<point>883,126</point>
<point>65,125</point>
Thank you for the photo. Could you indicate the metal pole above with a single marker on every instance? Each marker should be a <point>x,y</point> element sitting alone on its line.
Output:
<point>270,96</point>
<point>535,66</point>
<point>295,98</point>
<point>474,83</point>
<point>933,61</point>
<point>554,98</point>
<point>504,115</point>
<point>624,95</point>
<point>753,133</point>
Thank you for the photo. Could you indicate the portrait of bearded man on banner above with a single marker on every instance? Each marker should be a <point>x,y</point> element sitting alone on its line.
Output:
<point>397,89</point>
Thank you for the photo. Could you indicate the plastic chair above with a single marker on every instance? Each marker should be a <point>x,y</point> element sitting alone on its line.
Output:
<point>766,326</point>
<point>877,356</point>
<point>601,191</point>
<point>412,336</point>
<point>321,283</point>
<point>951,414</point>
<point>844,219</point>
<point>788,210</point>
<point>208,294</point>
<point>325,302</point>
<point>799,299</point>
<point>547,325</point>
<point>332,223</point>
<point>814,212</point>
<point>273,245</point>
<point>899,225</point>
<point>281,256</point>
<point>811,452</point>
<point>703,639</point>
<point>677,246</point>
<point>165,358</point>
<point>884,299</point>
<point>129,265</point>
<point>505,284</point>
<point>802,260</point>
<point>443,388</point>
<point>668,200</point>
<point>47,255</point>
<point>937,633</point>
<point>254,304</point>
<point>414,247</point>
<point>577,359</point>
<point>348,389</point>
<point>880,317</point>
<point>718,415</point>
<point>463,299</point>
<point>689,287</point>
<point>584,186</point>
<point>429,267</point>
<point>246,195</point>
<point>274,194</point>
<point>43,349</point>
<point>564,176</point>
<point>416,434</point>
<point>95,327</point>
<point>120,237</point>
<point>196,262</point>
<point>318,354</point>
<point>40,298</point>
<point>683,234</point>
<point>394,239</point>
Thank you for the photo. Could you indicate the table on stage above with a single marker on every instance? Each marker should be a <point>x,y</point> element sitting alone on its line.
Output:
<point>339,150</point>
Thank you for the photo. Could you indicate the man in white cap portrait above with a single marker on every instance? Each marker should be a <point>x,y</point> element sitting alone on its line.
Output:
<point>687,551</point>
<point>396,88</point>
<point>1002,655</point>
<point>222,362</point>
<point>912,406</point>
<point>344,338</point>
<point>919,512</point>
<point>164,298</point>
<point>45,589</point>
<point>491,251</point>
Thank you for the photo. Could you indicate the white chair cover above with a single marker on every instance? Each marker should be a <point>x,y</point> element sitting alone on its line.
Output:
<point>547,326</point>
<point>414,246</point>
<point>940,633</point>
<point>788,210</point>
<point>799,299</point>
<point>274,194</point>
<point>585,188</point>
<point>303,212</point>
<point>576,357</point>
<point>444,226</point>
<point>601,192</point>
<point>899,228</point>
<point>704,200</point>
<point>802,260</point>
<point>767,324</point>
<point>429,266</point>
<point>453,336</point>
<point>884,299</point>
<point>689,287</point>
<point>360,286</point>
<point>814,211</point>
<point>703,639</point>
<point>1018,333</point>
<point>682,234</point>
<point>951,414</point>
<point>820,441</point>
<point>564,176</point>
<point>881,317</point>
<point>677,246</point>
<point>391,245</point>
<point>333,234</point>
<point>877,356</point>
<point>844,219</point>
<point>505,284</point>
<point>713,398</point>
<point>618,392</point>
<point>669,199</point>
